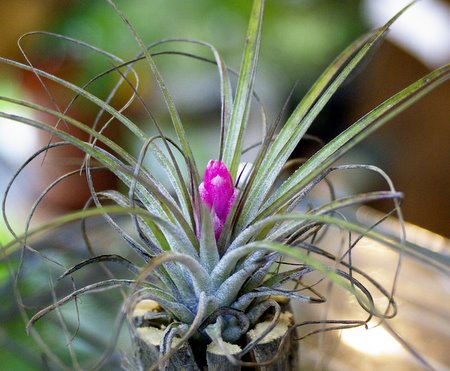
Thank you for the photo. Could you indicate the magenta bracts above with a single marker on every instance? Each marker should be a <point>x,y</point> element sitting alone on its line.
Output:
<point>217,192</point>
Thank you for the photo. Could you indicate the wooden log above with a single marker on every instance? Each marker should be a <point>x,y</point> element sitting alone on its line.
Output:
<point>217,360</point>
<point>148,340</point>
<point>269,346</point>
<point>149,333</point>
<point>148,313</point>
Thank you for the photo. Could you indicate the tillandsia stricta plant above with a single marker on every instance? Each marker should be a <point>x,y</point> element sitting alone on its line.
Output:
<point>223,253</point>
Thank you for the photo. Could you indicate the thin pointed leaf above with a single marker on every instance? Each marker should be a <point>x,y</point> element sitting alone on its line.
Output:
<point>14,245</point>
<point>245,300</point>
<point>353,135</point>
<point>95,287</point>
<point>157,200</point>
<point>281,278</point>
<point>100,259</point>
<point>209,255</point>
<point>258,277</point>
<point>198,274</point>
<point>329,272</point>
<point>178,126</point>
<point>80,91</point>
<point>303,116</point>
<point>228,291</point>
<point>234,133</point>
<point>291,227</point>
<point>226,106</point>
<point>92,98</point>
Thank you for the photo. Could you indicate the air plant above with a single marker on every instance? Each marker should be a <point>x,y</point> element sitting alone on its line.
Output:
<point>223,255</point>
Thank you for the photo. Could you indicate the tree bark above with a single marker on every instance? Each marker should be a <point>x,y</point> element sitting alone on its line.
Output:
<point>276,351</point>
<point>268,348</point>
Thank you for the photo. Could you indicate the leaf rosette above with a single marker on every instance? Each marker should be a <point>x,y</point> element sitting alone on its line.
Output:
<point>223,253</point>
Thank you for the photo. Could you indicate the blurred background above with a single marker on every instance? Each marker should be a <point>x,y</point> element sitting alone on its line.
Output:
<point>300,38</point>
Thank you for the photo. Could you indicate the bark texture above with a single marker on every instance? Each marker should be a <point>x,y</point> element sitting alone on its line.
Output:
<point>275,351</point>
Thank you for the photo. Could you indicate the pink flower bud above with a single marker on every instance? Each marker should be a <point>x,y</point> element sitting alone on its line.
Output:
<point>217,192</point>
